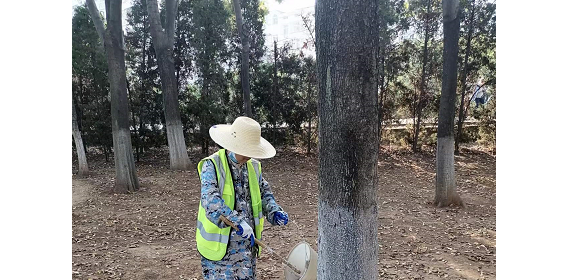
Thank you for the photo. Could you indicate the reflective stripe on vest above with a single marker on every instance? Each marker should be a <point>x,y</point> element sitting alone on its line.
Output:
<point>211,236</point>
<point>210,239</point>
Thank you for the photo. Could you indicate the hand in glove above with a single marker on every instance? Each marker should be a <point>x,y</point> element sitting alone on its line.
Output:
<point>246,232</point>
<point>281,218</point>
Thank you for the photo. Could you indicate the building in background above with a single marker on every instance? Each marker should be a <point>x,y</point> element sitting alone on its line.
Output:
<point>284,25</point>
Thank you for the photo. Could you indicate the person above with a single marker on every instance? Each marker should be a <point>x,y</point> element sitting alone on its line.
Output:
<point>233,186</point>
<point>479,94</point>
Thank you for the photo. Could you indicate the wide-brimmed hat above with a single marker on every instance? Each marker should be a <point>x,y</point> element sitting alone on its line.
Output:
<point>242,137</point>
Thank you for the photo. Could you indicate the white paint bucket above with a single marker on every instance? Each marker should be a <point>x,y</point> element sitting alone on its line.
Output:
<point>304,258</point>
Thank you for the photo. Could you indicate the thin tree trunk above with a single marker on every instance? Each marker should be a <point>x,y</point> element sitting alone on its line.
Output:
<point>244,73</point>
<point>275,89</point>
<point>106,151</point>
<point>421,99</point>
<point>134,121</point>
<point>446,192</point>
<point>347,45</point>
<point>384,41</point>
<point>79,112</point>
<point>462,111</point>
<point>126,176</point>
<point>81,158</point>
<point>309,112</point>
<point>203,123</point>
<point>381,99</point>
<point>163,42</point>
<point>142,91</point>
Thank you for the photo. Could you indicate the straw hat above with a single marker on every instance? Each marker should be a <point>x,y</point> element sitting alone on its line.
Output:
<point>242,137</point>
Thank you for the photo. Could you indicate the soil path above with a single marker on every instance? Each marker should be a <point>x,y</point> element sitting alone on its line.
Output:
<point>150,234</point>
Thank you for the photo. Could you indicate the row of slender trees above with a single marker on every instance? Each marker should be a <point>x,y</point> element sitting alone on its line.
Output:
<point>163,38</point>
<point>199,72</point>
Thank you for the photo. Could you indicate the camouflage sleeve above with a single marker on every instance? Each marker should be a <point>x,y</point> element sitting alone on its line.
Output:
<point>212,200</point>
<point>268,201</point>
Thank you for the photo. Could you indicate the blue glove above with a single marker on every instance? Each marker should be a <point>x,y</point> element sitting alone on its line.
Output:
<point>281,218</point>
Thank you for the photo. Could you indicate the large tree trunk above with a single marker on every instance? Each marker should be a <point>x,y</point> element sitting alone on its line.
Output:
<point>81,158</point>
<point>446,192</point>
<point>463,111</point>
<point>126,176</point>
<point>244,73</point>
<point>421,99</point>
<point>347,44</point>
<point>163,42</point>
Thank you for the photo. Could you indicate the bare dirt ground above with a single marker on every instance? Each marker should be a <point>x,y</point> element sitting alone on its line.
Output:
<point>150,234</point>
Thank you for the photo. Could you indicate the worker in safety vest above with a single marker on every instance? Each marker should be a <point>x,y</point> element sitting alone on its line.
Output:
<point>233,186</point>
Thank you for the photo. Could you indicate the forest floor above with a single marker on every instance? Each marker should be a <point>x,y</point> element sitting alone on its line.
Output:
<point>151,234</point>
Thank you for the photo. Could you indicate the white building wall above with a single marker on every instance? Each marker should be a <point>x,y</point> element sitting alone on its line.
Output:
<point>284,24</point>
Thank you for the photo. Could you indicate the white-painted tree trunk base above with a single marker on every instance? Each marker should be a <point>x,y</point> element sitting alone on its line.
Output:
<point>126,177</point>
<point>177,147</point>
<point>356,240</point>
<point>81,157</point>
<point>446,192</point>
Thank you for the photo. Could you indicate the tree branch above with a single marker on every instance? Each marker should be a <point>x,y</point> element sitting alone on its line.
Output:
<point>311,32</point>
<point>96,18</point>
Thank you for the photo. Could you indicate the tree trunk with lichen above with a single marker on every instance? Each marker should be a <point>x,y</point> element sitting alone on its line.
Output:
<point>347,37</point>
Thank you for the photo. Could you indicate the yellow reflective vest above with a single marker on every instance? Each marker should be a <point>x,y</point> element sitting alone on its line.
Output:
<point>211,240</point>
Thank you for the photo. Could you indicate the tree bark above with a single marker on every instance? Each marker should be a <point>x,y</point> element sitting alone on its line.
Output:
<point>347,35</point>
<point>163,42</point>
<point>81,158</point>
<point>126,176</point>
<point>244,73</point>
<point>421,99</point>
<point>462,110</point>
<point>446,192</point>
